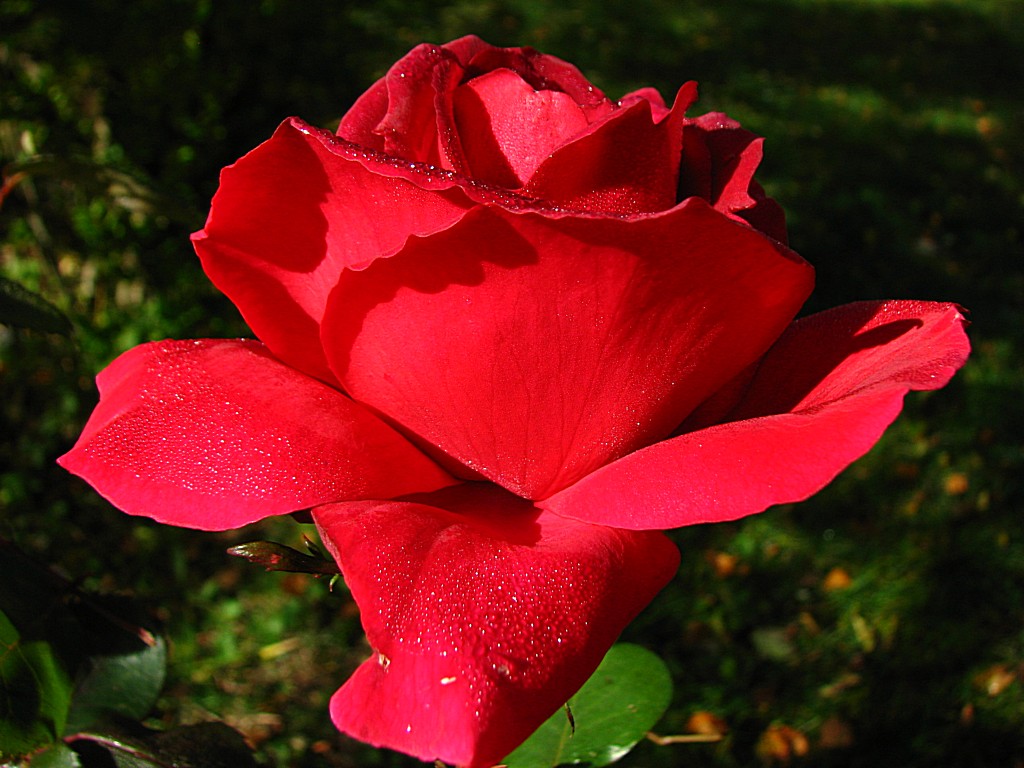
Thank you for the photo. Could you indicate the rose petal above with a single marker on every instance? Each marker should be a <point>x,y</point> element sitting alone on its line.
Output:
<point>419,99</point>
<point>216,434</point>
<point>535,350</point>
<point>627,164</point>
<point>507,128</point>
<point>398,113</point>
<point>359,124</point>
<point>543,72</point>
<point>765,215</point>
<point>650,95</point>
<point>719,161</point>
<point>410,77</point>
<point>483,615</point>
<point>728,156</point>
<point>294,213</point>
<point>818,401</point>
<point>408,113</point>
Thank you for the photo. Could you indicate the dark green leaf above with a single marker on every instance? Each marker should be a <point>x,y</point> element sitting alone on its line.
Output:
<point>22,308</point>
<point>125,684</point>
<point>35,689</point>
<point>68,660</point>
<point>207,745</point>
<point>37,654</point>
<point>614,709</point>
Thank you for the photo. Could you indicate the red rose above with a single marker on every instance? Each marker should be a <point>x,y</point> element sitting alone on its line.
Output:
<point>509,328</point>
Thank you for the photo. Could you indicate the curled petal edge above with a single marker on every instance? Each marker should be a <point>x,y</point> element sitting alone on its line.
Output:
<point>791,427</point>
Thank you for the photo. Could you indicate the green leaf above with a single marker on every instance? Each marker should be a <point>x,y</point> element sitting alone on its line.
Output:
<point>68,660</point>
<point>206,745</point>
<point>125,684</point>
<point>614,709</point>
<point>38,655</point>
<point>60,755</point>
<point>22,308</point>
<point>35,690</point>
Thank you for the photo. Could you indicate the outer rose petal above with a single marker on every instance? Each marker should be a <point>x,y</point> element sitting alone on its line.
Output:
<point>295,212</point>
<point>535,350</point>
<point>818,400</point>
<point>216,434</point>
<point>484,615</point>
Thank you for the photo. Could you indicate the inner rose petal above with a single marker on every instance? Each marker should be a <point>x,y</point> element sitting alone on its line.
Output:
<point>508,129</point>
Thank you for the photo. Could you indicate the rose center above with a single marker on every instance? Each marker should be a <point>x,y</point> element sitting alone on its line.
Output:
<point>508,129</point>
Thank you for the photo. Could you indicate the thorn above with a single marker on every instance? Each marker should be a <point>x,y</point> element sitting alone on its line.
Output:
<point>572,720</point>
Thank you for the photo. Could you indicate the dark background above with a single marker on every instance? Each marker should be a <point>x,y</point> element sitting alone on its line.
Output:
<point>879,624</point>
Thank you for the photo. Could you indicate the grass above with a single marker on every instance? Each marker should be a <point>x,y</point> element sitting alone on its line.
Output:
<point>882,621</point>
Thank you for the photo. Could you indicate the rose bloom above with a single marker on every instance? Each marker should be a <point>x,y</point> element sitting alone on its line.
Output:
<point>509,330</point>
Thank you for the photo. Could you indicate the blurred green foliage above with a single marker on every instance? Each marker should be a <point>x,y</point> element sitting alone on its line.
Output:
<point>879,624</point>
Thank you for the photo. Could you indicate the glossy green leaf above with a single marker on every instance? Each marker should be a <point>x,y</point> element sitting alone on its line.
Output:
<point>125,684</point>
<point>614,709</point>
